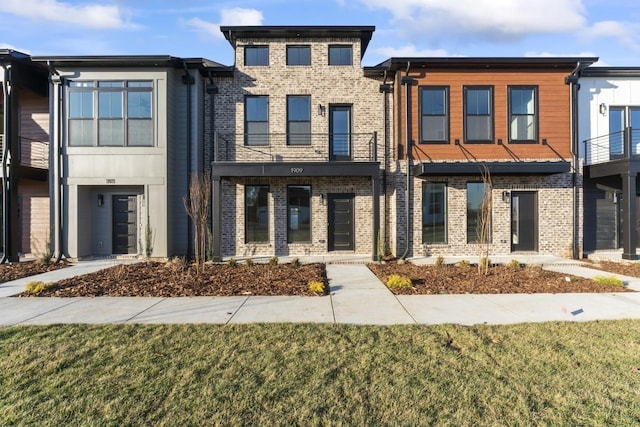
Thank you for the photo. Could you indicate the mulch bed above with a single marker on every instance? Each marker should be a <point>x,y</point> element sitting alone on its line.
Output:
<point>631,269</point>
<point>181,279</point>
<point>18,270</point>
<point>500,280</point>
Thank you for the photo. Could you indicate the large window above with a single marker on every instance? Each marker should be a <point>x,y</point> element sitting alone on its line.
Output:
<point>110,113</point>
<point>298,55</point>
<point>434,212</point>
<point>256,55</point>
<point>620,118</point>
<point>298,120</point>
<point>478,212</point>
<point>434,114</point>
<point>523,111</point>
<point>256,111</point>
<point>299,213</point>
<point>340,55</point>
<point>478,114</point>
<point>256,213</point>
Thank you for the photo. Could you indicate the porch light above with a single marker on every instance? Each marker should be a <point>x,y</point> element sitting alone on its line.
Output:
<point>603,108</point>
<point>321,110</point>
<point>506,196</point>
<point>100,200</point>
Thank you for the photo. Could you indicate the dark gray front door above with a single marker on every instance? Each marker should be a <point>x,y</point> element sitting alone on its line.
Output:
<point>340,132</point>
<point>125,226</point>
<point>524,221</point>
<point>341,220</point>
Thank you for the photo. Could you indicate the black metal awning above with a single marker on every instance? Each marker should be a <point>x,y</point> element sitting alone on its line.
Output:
<point>495,168</point>
<point>290,169</point>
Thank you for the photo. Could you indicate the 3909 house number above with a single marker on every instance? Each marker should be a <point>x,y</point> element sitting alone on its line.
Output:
<point>297,170</point>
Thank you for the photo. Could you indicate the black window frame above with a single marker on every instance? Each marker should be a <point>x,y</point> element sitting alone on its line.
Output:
<point>426,207</point>
<point>475,239</point>
<point>257,63</point>
<point>340,63</point>
<point>491,114</point>
<point>290,239</point>
<point>290,57</point>
<point>247,134</point>
<point>536,117</point>
<point>298,138</point>
<point>257,231</point>
<point>446,115</point>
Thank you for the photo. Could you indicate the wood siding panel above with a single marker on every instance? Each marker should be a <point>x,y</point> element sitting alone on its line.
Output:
<point>553,115</point>
<point>34,131</point>
<point>34,213</point>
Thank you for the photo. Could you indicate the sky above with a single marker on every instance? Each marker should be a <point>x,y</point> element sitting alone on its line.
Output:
<point>608,29</point>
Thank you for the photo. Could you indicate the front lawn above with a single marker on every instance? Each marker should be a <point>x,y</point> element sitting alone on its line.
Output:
<point>536,374</point>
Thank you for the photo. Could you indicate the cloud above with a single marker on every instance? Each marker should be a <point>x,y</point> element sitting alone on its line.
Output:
<point>411,51</point>
<point>234,16</point>
<point>12,47</point>
<point>533,54</point>
<point>626,33</point>
<point>93,16</point>
<point>488,19</point>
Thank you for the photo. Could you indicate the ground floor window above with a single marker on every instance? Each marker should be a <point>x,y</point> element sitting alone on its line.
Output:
<point>478,212</point>
<point>434,212</point>
<point>299,213</point>
<point>256,213</point>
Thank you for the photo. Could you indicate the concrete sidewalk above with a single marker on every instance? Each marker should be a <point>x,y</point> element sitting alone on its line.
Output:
<point>357,297</point>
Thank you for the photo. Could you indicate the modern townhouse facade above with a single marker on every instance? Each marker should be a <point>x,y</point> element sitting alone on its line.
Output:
<point>24,155</point>
<point>609,129</point>
<point>299,138</point>
<point>509,119</point>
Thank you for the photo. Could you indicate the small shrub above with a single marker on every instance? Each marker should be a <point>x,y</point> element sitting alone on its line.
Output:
<point>232,262</point>
<point>397,281</point>
<point>273,260</point>
<point>36,286</point>
<point>316,287</point>
<point>249,262</point>
<point>295,262</point>
<point>608,280</point>
<point>484,263</point>
<point>463,264</point>
<point>514,264</point>
<point>440,261</point>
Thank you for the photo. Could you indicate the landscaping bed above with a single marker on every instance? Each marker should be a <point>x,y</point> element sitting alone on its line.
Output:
<point>18,270</point>
<point>502,279</point>
<point>625,268</point>
<point>178,278</point>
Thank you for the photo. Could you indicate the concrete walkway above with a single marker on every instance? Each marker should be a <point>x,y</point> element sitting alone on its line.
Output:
<point>357,297</point>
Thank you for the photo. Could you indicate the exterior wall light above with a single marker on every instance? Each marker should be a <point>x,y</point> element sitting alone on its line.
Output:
<point>100,200</point>
<point>506,196</point>
<point>321,110</point>
<point>603,108</point>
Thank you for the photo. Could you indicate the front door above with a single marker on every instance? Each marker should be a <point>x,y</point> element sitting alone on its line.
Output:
<point>524,221</point>
<point>125,225</point>
<point>339,132</point>
<point>341,222</point>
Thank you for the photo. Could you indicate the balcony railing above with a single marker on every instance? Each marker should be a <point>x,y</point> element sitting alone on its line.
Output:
<point>33,154</point>
<point>624,144</point>
<point>277,147</point>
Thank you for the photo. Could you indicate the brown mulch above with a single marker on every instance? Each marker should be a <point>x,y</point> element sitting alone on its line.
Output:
<point>500,280</point>
<point>625,268</point>
<point>18,270</point>
<point>180,279</point>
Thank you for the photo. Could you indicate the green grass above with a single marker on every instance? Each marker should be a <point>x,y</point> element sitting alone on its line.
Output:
<point>537,374</point>
<point>608,280</point>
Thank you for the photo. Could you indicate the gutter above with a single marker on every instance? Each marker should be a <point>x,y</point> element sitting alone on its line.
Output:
<point>407,81</point>
<point>188,80</point>
<point>6,226</point>
<point>55,153</point>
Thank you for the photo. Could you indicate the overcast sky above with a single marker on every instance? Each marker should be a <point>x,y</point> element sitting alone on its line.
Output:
<point>609,29</point>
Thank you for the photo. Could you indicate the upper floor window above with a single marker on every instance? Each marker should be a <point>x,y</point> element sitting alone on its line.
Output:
<point>256,55</point>
<point>256,120</point>
<point>298,120</point>
<point>620,118</point>
<point>110,113</point>
<point>298,55</point>
<point>478,113</point>
<point>523,111</point>
<point>340,55</point>
<point>434,114</point>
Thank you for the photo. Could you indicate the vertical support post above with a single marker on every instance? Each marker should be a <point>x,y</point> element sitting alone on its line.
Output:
<point>629,232</point>
<point>216,216</point>
<point>375,191</point>
<point>628,153</point>
<point>375,146</point>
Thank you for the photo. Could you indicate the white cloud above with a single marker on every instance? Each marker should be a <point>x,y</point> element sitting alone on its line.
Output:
<point>411,51</point>
<point>12,47</point>
<point>533,54</point>
<point>234,16</point>
<point>628,34</point>
<point>89,15</point>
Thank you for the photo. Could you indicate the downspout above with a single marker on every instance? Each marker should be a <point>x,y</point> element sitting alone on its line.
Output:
<point>187,79</point>
<point>406,81</point>
<point>385,89</point>
<point>56,154</point>
<point>572,80</point>
<point>5,169</point>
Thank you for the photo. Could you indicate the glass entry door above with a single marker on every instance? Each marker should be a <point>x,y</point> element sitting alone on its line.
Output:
<point>339,132</point>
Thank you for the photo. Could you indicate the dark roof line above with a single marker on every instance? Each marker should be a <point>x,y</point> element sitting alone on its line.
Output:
<point>611,72</point>
<point>396,63</point>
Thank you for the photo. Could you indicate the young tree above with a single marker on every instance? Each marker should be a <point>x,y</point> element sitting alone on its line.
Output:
<point>197,207</point>
<point>484,221</point>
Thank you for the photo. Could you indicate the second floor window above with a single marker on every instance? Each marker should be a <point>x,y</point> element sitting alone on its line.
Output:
<point>256,121</point>
<point>434,114</point>
<point>523,114</point>
<point>110,113</point>
<point>340,55</point>
<point>298,120</point>
<point>478,114</point>
<point>256,55</point>
<point>298,55</point>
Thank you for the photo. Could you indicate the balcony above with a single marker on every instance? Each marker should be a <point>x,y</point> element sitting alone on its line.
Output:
<point>32,154</point>
<point>622,145</point>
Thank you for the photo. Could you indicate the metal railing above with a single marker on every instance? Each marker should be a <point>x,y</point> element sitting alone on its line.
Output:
<point>624,144</point>
<point>282,147</point>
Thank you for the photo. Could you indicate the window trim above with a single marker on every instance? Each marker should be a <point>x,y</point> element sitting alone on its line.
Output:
<point>289,121</point>
<point>298,46</point>
<point>445,212</point>
<point>536,115</point>
<point>244,53</point>
<point>246,234</point>
<point>477,239</point>
<point>246,133</point>
<point>447,115</point>
<point>332,46</point>
<point>95,88</point>
<point>491,139</point>
<point>289,240</point>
